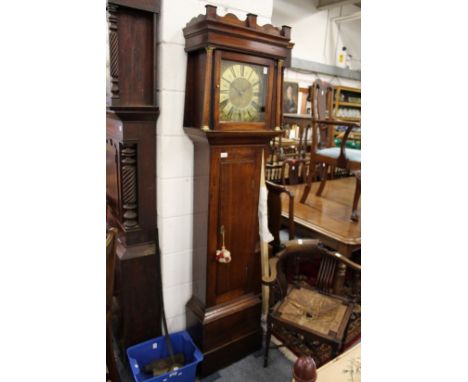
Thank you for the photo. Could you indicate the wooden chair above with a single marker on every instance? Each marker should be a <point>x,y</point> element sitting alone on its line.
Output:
<point>274,215</point>
<point>113,374</point>
<point>296,170</point>
<point>313,313</point>
<point>274,172</point>
<point>323,150</point>
<point>295,166</point>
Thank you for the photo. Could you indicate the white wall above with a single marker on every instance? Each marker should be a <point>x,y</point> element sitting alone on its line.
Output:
<point>317,37</point>
<point>175,150</point>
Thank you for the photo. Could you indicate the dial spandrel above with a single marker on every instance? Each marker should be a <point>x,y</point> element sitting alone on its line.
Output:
<point>242,92</point>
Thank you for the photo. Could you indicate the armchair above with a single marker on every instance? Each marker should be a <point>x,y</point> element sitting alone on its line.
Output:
<point>323,150</point>
<point>274,215</point>
<point>314,313</point>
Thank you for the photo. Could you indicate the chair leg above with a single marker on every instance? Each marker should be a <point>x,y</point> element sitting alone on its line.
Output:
<point>267,342</point>
<point>323,181</point>
<point>336,350</point>
<point>305,193</point>
<point>310,180</point>
<point>357,195</point>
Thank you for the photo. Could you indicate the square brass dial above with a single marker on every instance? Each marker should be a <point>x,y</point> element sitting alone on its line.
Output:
<point>242,91</point>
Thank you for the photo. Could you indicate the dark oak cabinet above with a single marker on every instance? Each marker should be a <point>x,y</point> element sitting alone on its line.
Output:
<point>132,111</point>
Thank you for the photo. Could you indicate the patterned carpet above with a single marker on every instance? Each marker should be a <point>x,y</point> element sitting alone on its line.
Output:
<point>321,353</point>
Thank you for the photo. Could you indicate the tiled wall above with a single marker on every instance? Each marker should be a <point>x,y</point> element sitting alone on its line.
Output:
<point>175,150</point>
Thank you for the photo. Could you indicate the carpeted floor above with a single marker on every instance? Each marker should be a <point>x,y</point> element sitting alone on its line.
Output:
<point>279,367</point>
<point>251,368</point>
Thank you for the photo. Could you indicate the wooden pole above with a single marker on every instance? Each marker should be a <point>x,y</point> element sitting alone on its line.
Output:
<point>263,241</point>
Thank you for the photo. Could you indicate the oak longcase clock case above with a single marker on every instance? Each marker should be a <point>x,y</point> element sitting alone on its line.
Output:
<point>232,108</point>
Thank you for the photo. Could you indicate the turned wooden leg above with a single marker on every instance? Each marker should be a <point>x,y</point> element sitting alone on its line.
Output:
<point>323,180</point>
<point>357,195</point>
<point>339,279</point>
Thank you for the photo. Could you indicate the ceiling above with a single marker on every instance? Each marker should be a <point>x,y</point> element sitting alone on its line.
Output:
<point>326,4</point>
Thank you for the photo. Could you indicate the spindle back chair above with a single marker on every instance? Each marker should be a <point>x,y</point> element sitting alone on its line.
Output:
<point>323,150</point>
<point>313,312</point>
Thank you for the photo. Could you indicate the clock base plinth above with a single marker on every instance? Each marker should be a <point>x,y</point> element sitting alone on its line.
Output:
<point>225,333</point>
<point>223,357</point>
<point>137,284</point>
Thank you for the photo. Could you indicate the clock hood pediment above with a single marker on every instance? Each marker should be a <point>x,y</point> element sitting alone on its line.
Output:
<point>230,33</point>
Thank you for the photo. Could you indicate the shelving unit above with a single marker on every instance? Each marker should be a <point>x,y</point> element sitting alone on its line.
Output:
<point>347,106</point>
<point>347,103</point>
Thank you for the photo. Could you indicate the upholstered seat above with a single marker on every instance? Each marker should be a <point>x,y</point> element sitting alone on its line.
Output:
<point>334,152</point>
<point>323,153</point>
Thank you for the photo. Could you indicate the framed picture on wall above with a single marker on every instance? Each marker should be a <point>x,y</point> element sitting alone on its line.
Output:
<point>290,95</point>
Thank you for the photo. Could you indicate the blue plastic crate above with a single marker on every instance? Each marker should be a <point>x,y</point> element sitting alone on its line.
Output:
<point>142,354</point>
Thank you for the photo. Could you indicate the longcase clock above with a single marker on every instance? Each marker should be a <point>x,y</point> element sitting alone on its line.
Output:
<point>232,108</point>
<point>131,116</point>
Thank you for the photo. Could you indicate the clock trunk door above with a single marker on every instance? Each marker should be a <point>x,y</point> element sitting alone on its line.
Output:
<point>235,197</point>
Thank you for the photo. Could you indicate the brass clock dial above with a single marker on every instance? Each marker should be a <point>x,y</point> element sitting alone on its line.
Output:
<point>242,92</point>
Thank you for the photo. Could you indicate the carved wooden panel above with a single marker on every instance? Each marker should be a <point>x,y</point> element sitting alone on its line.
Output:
<point>128,166</point>
<point>114,52</point>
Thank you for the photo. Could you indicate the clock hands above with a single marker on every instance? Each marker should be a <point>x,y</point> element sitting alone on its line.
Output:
<point>238,91</point>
